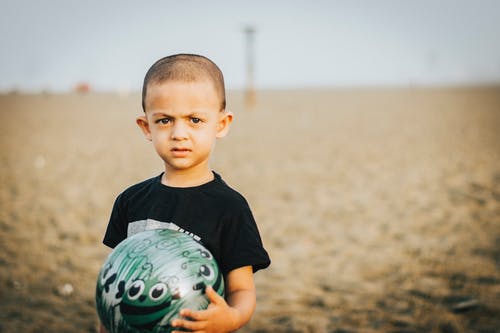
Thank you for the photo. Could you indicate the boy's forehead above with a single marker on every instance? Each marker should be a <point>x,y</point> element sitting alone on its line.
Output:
<point>160,87</point>
<point>196,92</point>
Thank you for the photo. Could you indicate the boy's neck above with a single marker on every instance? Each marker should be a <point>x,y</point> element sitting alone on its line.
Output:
<point>180,178</point>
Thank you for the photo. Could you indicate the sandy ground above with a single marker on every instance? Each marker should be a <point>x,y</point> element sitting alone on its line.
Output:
<point>380,208</point>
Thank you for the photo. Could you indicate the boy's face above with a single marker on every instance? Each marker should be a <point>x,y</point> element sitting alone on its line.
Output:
<point>183,120</point>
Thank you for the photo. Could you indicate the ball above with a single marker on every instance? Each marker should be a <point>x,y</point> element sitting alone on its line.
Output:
<point>150,276</point>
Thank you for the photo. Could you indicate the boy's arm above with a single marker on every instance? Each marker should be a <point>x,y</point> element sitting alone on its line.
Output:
<point>222,315</point>
<point>241,293</point>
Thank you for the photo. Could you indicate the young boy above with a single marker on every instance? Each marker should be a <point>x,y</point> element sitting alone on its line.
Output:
<point>184,102</point>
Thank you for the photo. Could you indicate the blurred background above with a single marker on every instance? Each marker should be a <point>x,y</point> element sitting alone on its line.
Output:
<point>54,45</point>
<point>366,140</point>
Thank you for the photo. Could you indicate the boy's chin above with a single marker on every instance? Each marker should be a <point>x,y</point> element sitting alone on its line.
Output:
<point>180,165</point>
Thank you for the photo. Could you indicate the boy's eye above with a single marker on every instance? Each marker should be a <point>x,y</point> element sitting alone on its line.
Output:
<point>195,120</point>
<point>163,121</point>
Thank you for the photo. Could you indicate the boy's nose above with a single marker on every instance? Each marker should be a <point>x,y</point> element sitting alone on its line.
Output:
<point>179,131</point>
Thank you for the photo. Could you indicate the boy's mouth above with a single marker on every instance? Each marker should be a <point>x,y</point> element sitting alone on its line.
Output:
<point>180,152</point>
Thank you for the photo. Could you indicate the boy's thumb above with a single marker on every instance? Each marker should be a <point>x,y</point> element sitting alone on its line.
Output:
<point>212,295</point>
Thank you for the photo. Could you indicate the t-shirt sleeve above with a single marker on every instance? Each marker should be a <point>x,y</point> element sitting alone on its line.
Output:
<point>242,244</point>
<point>116,230</point>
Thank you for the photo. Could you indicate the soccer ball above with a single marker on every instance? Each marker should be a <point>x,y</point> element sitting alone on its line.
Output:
<point>150,276</point>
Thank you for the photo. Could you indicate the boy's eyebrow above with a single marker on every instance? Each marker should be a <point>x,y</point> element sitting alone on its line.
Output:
<point>187,114</point>
<point>159,113</point>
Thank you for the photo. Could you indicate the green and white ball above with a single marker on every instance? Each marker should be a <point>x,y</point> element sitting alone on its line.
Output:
<point>150,276</point>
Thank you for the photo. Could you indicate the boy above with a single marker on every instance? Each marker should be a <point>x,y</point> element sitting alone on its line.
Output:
<point>184,102</point>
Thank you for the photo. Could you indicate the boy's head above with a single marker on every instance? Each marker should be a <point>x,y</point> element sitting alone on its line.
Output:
<point>184,113</point>
<point>185,68</point>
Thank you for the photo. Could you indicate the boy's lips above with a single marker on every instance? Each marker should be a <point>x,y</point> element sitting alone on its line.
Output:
<point>180,152</point>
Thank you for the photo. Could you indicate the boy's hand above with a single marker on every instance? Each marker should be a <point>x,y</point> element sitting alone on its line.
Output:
<point>218,317</point>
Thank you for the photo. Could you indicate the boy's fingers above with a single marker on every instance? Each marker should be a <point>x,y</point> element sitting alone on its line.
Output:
<point>194,315</point>
<point>187,324</point>
<point>213,296</point>
<point>197,317</point>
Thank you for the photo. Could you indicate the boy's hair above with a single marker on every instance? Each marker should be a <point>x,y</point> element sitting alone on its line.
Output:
<point>185,68</point>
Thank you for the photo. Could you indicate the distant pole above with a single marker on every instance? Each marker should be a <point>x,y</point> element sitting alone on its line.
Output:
<point>250,95</point>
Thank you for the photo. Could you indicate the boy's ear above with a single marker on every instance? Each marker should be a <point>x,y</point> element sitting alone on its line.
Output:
<point>225,120</point>
<point>142,122</point>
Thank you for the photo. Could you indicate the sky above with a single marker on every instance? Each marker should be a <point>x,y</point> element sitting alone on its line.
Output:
<point>53,45</point>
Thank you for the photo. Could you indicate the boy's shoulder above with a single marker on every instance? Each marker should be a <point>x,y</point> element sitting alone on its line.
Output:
<point>140,188</point>
<point>227,193</point>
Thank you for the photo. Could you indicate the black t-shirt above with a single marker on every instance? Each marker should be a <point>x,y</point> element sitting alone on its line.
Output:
<point>213,214</point>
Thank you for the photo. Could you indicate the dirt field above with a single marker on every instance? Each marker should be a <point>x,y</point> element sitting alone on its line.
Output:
<point>380,208</point>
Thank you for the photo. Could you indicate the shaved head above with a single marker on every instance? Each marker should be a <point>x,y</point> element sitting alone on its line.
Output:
<point>185,68</point>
